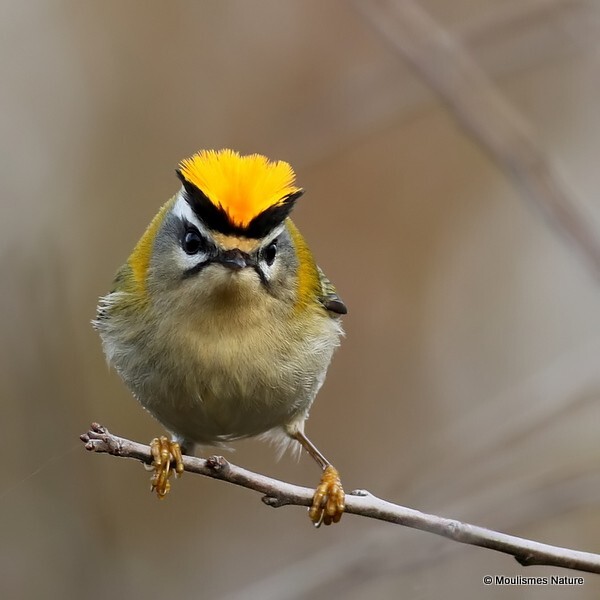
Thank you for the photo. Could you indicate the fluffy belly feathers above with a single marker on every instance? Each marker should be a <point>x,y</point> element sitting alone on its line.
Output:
<point>210,381</point>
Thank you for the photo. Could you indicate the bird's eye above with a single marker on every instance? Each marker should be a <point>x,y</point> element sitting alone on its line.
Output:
<point>270,253</point>
<point>192,241</point>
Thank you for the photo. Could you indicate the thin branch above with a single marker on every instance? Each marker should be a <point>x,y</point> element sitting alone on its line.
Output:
<point>279,493</point>
<point>449,70</point>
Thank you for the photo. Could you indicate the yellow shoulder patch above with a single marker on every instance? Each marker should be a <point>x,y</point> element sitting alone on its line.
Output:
<point>139,260</point>
<point>243,186</point>
<point>309,285</point>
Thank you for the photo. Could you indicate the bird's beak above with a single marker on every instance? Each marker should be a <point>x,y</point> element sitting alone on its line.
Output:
<point>236,260</point>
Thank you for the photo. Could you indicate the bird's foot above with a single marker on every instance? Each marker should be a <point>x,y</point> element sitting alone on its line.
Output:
<point>328,502</point>
<point>164,452</point>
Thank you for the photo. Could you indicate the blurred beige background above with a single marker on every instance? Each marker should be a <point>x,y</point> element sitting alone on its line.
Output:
<point>469,381</point>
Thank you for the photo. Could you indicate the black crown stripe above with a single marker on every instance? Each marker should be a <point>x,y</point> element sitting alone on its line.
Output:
<point>217,219</point>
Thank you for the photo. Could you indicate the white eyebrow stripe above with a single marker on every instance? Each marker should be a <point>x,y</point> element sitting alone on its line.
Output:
<point>184,211</point>
<point>275,233</point>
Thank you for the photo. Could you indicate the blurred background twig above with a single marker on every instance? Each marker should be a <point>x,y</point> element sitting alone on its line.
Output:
<point>445,65</point>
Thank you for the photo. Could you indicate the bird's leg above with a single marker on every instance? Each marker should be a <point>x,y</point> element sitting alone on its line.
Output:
<point>164,451</point>
<point>329,499</point>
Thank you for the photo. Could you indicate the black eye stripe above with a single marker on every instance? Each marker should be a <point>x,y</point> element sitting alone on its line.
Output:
<point>192,241</point>
<point>194,270</point>
<point>270,252</point>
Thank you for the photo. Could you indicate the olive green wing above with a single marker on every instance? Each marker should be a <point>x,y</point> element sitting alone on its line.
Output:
<point>329,297</point>
<point>121,285</point>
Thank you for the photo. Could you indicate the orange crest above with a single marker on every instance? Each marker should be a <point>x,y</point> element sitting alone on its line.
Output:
<point>242,186</point>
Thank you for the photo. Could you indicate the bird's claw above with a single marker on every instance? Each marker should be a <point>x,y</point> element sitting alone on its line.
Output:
<point>164,452</point>
<point>329,500</point>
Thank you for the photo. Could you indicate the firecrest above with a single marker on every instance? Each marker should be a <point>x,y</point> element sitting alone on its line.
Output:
<point>220,322</point>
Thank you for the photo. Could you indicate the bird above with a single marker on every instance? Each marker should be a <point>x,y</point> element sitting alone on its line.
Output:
<point>221,323</point>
